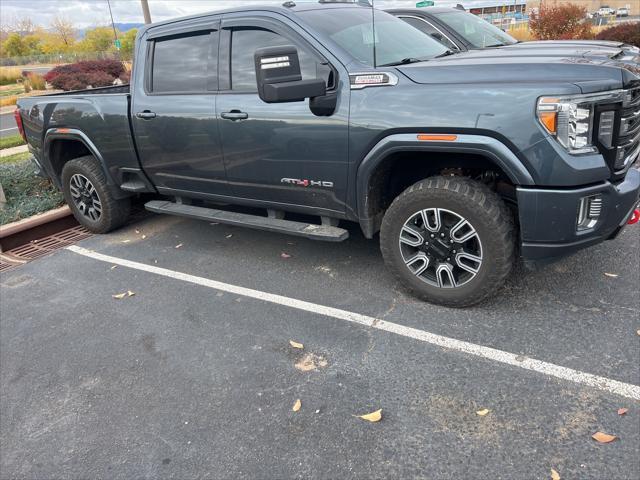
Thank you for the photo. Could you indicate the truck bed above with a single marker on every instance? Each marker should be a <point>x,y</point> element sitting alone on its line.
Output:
<point>98,118</point>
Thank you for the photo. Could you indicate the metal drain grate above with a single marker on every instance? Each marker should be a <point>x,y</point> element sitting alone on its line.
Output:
<point>6,263</point>
<point>43,246</point>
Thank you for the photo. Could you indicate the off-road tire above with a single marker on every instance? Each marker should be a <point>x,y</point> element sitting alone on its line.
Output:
<point>479,205</point>
<point>115,212</point>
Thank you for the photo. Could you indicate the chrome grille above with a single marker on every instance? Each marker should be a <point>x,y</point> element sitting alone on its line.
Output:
<point>628,144</point>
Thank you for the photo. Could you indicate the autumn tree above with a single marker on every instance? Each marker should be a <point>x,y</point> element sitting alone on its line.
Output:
<point>128,41</point>
<point>24,26</point>
<point>560,22</point>
<point>64,30</point>
<point>99,39</point>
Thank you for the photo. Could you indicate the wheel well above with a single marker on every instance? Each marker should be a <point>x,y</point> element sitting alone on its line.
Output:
<point>63,150</point>
<point>400,170</point>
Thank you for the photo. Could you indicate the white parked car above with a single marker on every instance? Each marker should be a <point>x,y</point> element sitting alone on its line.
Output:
<point>605,11</point>
<point>622,12</point>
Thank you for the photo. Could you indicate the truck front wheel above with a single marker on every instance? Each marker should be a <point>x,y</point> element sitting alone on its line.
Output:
<point>85,190</point>
<point>450,240</point>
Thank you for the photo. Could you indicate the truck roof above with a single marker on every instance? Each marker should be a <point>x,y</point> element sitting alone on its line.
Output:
<point>427,10</point>
<point>282,9</point>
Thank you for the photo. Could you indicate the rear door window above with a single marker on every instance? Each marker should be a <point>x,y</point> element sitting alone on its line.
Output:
<point>181,63</point>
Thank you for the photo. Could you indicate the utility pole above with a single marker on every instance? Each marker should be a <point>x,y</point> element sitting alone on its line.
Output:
<point>113,25</point>
<point>145,11</point>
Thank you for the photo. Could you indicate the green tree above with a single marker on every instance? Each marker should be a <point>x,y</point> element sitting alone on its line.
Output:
<point>99,39</point>
<point>33,44</point>
<point>14,46</point>
<point>128,40</point>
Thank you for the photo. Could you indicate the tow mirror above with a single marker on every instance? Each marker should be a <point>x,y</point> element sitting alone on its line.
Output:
<point>279,78</point>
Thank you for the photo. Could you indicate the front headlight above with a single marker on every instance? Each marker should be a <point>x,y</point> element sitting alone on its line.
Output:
<point>570,119</point>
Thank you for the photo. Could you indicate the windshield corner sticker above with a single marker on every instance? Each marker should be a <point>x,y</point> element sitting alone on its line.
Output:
<point>306,183</point>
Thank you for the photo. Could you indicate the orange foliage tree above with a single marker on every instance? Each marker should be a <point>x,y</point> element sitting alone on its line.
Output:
<point>560,22</point>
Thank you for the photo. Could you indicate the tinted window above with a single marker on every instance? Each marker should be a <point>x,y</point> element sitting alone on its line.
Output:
<point>426,27</point>
<point>478,32</point>
<point>180,63</point>
<point>244,43</point>
<point>394,39</point>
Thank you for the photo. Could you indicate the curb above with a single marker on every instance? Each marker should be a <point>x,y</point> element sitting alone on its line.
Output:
<point>7,109</point>
<point>34,221</point>
<point>5,152</point>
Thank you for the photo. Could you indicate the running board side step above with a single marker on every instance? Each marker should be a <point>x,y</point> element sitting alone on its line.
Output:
<point>314,232</point>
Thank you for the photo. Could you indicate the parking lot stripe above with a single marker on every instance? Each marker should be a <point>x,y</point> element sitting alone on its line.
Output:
<point>550,369</point>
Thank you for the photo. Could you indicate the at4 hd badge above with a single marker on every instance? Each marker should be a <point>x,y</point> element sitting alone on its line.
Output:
<point>306,183</point>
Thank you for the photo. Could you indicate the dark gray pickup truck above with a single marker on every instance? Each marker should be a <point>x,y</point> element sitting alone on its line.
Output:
<point>461,162</point>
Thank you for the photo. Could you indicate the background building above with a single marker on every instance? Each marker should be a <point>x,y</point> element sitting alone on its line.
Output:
<point>592,5</point>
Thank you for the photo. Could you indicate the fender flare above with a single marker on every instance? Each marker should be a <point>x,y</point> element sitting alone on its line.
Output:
<point>77,135</point>
<point>484,145</point>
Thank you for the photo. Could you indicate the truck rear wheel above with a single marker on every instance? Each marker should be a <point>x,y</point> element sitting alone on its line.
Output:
<point>85,190</point>
<point>450,240</point>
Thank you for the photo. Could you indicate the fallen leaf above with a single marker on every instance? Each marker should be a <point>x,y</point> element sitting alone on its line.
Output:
<point>178,245</point>
<point>144,236</point>
<point>130,293</point>
<point>554,475</point>
<point>638,332</point>
<point>622,411</point>
<point>126,241</point>
<point>285,255</point>
<point>483,412</point>
<point>612,275</point>
<point>317,411</point>
<point>230,235</point>
<point>371,417</point>
<point>113,267</point>
<point>297,405</point>
<point>119,296</point>
<point>603,437</point>
<point>137,231</point>
<point>296,344</point>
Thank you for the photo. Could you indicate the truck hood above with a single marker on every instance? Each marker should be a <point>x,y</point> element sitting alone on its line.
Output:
<point>501,65</point>
<point>587,48</point>
<point>564,50</point>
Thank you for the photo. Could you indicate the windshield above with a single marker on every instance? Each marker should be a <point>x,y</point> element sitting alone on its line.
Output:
<point>475,30</point>
<point>395,40</point>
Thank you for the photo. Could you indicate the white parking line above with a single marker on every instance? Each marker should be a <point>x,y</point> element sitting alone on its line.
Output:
<point>7,129</point>
<point>595,381</point>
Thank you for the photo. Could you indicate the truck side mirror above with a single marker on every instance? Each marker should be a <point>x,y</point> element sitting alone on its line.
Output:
<point>279,78</point>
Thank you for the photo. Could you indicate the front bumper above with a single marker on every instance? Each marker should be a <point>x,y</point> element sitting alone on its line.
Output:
<point>548,217</point>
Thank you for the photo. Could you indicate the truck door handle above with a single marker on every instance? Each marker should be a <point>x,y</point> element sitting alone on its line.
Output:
<point>146,115</point>
<point>234,115</point>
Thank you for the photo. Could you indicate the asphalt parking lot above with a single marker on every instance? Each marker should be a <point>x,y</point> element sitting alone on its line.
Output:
<point>191,378</point>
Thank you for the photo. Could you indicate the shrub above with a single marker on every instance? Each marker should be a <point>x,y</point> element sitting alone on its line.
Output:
<point>69,69</point>
<point>628,32</point>
<point>80,81</point>
<point>33,81</point>
<point>93,71</point>
<point>560,22</point>
<point>113,67</point>
<point>99,79</point>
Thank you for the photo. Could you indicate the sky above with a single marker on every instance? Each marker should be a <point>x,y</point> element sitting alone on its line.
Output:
<point>88,13</point>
